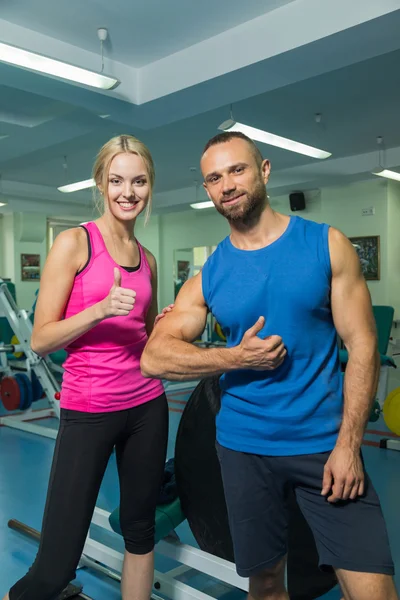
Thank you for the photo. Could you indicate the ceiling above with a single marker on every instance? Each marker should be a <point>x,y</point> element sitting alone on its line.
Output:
<point>277,62</point>
<point>140,32</point>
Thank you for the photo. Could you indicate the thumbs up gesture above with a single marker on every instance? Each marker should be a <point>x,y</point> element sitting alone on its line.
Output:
<point>120,301</point>
<point>261,354</point>
<point>117,278</point>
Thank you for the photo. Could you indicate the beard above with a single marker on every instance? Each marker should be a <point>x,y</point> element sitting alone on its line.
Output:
<point>248,211</point>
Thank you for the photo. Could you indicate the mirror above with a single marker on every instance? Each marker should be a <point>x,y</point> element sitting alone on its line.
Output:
<point>188,262</point>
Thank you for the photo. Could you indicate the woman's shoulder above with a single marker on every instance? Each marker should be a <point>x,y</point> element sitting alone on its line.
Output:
<point>71,245</point>
<point>150,258</point>
<point>71,239</point>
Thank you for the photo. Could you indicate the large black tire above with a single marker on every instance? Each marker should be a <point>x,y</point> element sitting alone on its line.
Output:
<point>200,489</point>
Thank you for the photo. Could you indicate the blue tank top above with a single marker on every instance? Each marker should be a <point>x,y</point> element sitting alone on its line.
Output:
<point>296,408</point>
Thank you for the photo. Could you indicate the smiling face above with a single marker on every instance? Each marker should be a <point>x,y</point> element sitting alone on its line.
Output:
<point>235,179</point>
<point>128,187</point>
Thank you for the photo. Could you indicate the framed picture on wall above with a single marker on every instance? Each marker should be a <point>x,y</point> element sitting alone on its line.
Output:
<point>368,250</point>
<point>30,267</point>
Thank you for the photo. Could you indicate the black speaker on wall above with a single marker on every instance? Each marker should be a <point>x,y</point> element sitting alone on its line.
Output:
<point>297,201</point>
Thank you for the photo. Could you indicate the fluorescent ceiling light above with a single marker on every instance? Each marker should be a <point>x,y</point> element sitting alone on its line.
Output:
<point>3,203</point>
<point>388,174</point>
<point>273,140</point>
<point>42,64</point>
<point>198,205</point>
<point>75,187</point>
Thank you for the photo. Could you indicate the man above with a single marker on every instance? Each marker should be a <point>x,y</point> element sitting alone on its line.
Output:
<point>282,288</point>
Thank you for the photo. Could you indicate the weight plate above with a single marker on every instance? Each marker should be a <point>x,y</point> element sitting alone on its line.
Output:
<point>29,392</point>
<point>22,390</point>
<point>25,390</point>
<point>10,393</point>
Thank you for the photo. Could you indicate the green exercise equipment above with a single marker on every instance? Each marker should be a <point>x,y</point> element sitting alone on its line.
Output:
<point>25,388</point>
<point>219,332</point>
<point>168,517</point>
<point>375,412</point>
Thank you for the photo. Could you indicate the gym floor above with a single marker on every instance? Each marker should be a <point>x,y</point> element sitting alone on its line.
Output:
<point>24,473</point>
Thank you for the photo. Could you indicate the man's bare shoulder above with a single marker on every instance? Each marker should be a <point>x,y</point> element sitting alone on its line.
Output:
<point>343,255</point>
<point>337,237</point>
<point>187,319</point>
<point>191,293</point>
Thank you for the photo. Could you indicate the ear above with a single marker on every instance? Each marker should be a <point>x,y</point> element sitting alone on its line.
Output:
<point>266,170</point>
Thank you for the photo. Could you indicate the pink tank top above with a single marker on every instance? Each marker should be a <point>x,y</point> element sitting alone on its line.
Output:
<point>102,368</point>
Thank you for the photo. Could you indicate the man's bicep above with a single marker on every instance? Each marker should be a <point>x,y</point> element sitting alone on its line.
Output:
<point>351,301</point>
<point>352,311</point>
<point>187,325</point>
<point>187,319</point>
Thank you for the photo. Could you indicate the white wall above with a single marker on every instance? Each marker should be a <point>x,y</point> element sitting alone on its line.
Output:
<point>185,230</point>
<point>26,290</point>
<point>23,233</point>
<point>148,235</point>
<point>30,237</point>
<point>342,208</point>
<point>393,235</point>
<point>7,246</point>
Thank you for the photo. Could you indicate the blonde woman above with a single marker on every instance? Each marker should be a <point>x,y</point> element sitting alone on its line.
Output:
<point>98,300</point>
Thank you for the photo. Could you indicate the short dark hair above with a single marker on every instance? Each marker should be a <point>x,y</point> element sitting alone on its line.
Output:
<point>227,136</point>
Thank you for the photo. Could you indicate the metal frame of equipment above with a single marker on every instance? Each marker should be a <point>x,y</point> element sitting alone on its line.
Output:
<point>109,562</point>
<point>43,368</point>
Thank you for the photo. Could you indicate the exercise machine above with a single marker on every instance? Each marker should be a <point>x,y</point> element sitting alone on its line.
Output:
<point>27,381</point>
<point>386,404</point>
<point>107,561</point>
<point>197,496</point>
<point>384,320</point>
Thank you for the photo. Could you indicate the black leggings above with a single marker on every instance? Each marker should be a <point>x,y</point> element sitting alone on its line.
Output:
<point>84,444</point>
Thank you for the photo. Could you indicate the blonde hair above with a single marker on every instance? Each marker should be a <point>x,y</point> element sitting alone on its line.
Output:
<point>120,144</point>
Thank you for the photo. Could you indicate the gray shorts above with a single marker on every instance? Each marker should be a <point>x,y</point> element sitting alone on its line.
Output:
<point>349,535</point>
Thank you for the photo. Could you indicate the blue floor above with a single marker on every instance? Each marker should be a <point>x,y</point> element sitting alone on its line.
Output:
<point>24,471</point>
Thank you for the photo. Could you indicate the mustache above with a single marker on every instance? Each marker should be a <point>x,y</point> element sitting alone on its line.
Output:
<point>228,198</point>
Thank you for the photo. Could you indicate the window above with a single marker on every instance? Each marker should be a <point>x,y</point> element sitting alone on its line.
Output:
<point>56,226</point>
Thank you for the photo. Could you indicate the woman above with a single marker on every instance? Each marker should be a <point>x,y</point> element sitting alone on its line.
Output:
<point>98,300</point>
